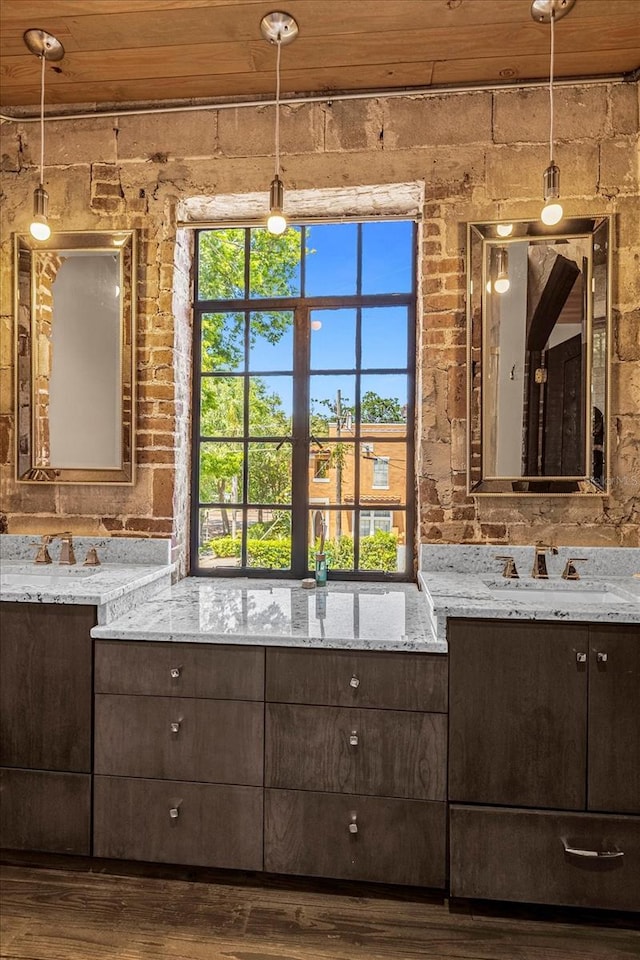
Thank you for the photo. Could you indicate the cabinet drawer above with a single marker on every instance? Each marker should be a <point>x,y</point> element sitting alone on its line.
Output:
<point>216,741</point>
<point>166,821</point>
<point>388,753</point>
<point>41,810</point>
<point>500,854</point>
<point>179,670</point>
<point>345,678</point>
<point>397,841</point>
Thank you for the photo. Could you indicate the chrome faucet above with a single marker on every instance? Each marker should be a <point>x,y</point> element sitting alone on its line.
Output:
<point>66,552</point>
<point>539,571</point>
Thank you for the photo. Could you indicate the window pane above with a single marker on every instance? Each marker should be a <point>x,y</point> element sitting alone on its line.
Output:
<point>269,473</point>
<point>382,540</point>
<point>331,406</point>
<point>274,265</point>
<point>383,467</point>
<point>331,473</point>
<point>270,406</point>
<point>387,257</point>
<point>271,341</point>
<point>221,265</point>
<point>338,545</point>
<point>331,260</point>
<point>221,472</point>
<point>222,407</point>
<point>383,401</point>
<point>222,342</point>
<point>269,539</point>
<point>219,538</point>
<point>384,337</point>
<point>333,339</point>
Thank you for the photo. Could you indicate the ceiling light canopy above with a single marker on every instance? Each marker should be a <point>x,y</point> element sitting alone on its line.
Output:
<point>278,28</point>
<point>45,46</point>
<point>548,11</point>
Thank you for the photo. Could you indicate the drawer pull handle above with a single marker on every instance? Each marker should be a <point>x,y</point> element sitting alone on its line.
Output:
<point>175,672</point>
<point>353,826</point>
<point>354,682</point>
<point>593,854</point>
<point>174,813</point>
<point>175,726</point>
<point>581,657</point>
<point>602,657</point>
<point>353,739</point>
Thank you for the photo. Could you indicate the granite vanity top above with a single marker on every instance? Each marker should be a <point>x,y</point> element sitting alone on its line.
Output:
<point>465,582</point>
<point>365,616</point>
<point>130,571</point>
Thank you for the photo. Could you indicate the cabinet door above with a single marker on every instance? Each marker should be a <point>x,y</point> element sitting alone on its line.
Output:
<point>394,841</point>
<point>45,686</point>
<point>518,713</point>
<point>42,810</point>
<point>215,741</point>
<point>614,718</point>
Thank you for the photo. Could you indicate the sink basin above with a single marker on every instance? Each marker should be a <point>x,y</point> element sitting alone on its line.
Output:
<point>21,573</point>
<point>535,597</point>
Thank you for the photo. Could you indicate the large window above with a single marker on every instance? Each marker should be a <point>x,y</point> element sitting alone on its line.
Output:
<point>304,353</point>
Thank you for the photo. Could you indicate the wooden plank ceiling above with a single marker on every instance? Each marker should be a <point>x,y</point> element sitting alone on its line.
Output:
<point>125,51</point>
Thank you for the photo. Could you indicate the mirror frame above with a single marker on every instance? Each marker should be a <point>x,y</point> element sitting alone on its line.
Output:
<point>29,466</point>
<point>481,237</point>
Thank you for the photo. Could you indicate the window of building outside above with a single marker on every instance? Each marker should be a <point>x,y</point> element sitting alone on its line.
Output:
<point>304,395</point>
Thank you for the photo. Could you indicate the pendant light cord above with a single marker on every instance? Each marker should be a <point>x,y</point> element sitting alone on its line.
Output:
<point>43,59</point>
<point>553,47</point>
<point>277,158</point>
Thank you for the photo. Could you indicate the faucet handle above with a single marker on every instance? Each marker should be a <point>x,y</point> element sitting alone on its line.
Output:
<point>570,572</point>
<point>509,570</point>
<point>42,556</point>
<point>92,559</point>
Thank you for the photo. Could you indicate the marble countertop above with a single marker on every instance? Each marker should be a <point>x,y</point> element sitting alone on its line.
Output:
<point>365,616</point>
<point>590,599</point>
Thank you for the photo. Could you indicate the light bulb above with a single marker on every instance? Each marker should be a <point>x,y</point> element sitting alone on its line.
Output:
<point>488,286</point>
<point>552,213</point>
<point>39,229</point>
<point>316,324</point>
<point>501,285</point>
<point>504,229</point>
<point>276,223</point>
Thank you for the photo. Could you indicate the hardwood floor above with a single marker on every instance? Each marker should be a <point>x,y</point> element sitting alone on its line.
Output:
<point>52,914</point>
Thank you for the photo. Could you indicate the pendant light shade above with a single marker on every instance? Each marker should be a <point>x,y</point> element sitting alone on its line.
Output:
<point>279,28</point>
<point>45,46</point>
<point>548,11</point>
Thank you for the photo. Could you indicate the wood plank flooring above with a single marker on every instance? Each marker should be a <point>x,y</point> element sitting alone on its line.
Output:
<point>51,914</point>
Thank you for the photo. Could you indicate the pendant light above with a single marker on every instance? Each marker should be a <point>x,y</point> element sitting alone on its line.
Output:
<point>278,28</point>
<point>45,46</point>
<point>548,11</point>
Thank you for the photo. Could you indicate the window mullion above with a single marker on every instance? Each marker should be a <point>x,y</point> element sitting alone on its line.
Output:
<point>300,445</point>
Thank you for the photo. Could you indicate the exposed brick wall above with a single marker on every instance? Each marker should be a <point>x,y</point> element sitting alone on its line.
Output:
<point>481,157</point>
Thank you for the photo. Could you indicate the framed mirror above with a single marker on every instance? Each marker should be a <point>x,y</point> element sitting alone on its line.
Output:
<point>538,342</point>
<point>75,357</point>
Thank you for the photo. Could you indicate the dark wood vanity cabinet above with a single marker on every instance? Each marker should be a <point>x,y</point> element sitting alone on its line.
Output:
<point>355,765</point>
<point>46,727</point>
<point>545,720</point>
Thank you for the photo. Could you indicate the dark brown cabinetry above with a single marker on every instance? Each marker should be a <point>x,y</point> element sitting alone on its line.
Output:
<point>355,765</point>
<point>544,718</point>
<point>179,748</point>
<point>46,729</point>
